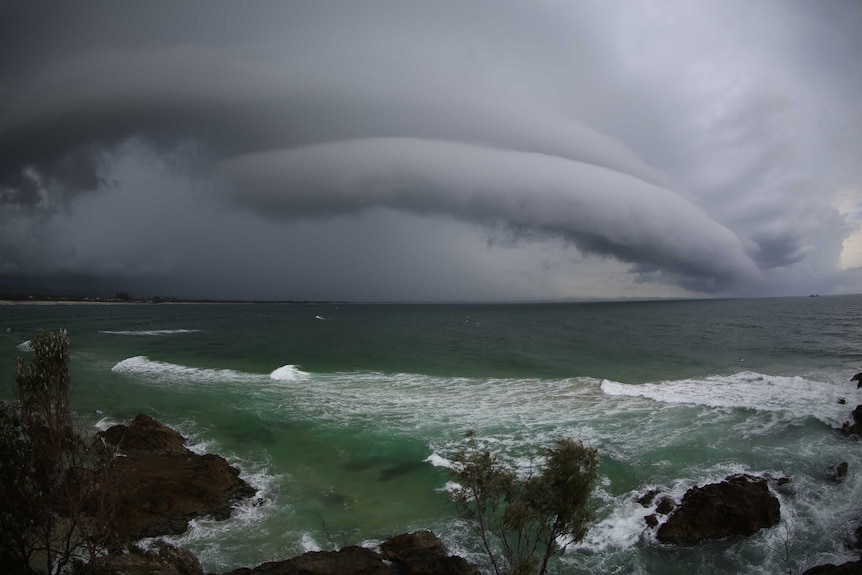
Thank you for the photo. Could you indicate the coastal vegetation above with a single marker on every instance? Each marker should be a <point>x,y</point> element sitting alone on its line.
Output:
<point>58,483</point>
<point>523,520</point>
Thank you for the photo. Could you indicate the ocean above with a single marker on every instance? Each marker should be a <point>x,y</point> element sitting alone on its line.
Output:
<point>343,415</point>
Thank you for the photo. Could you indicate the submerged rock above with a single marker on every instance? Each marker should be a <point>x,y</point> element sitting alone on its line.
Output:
<point>163,485</point>
<point>858,379</point>
<point>739,505</point>
<point>836,473</point>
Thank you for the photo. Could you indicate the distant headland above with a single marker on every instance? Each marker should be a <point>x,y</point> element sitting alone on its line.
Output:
<point>124,298</point>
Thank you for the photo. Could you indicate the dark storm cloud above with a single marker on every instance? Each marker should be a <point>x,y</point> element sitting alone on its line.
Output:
<point>600,210</point>
<point>534,119</point>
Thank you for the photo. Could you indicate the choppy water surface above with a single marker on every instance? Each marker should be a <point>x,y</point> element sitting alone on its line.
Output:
<point>343,414</point>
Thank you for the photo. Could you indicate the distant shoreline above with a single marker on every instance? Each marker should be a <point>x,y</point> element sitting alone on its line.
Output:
<point>113,301</point>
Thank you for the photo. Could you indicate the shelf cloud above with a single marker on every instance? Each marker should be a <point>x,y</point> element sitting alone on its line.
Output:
<point>482,151</point>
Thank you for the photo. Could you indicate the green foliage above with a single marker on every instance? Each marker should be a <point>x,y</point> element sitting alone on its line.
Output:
<point>524,520</point>
<point>24,500</point>
<point>59,486</point>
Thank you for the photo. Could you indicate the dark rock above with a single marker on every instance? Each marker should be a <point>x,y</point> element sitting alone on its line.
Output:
<point>651,520</point>
<point>739,505</point>
<point>853,427</point>
<point>163,485</point>
<point>857,378</point>
<point>836,473</point>
<point>349,561</point>
<point>781,484</point>
<point>851,568</point>
<point>841,401</point>
<point>422,553</point>
<point>647,498</point>
<point>145,435</point>
<point>665,505</point>
<point>167,560</point>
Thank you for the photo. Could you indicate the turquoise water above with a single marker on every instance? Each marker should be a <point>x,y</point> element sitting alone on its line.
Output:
<point>343,414</point>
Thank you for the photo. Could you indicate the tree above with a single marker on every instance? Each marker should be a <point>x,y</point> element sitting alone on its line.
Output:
<point>58,484</point>
<point>522,520</point>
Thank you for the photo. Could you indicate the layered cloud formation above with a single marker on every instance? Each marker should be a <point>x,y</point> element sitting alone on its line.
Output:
<point>441,151</point>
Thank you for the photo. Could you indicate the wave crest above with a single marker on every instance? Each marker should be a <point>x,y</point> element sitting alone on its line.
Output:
<point>150,332</point>
<point>746,390</point>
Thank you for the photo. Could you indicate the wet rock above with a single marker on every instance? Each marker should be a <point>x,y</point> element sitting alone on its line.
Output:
<point>163,485</point>
<point>665,505</point>
<point>651,520</point>
<point>349,561</point>
<point>836,473</point>
<point>165,560</point>
<point>858,379</point>
<point>419,553</point>
<point>851,568</point>
<point>422,553</point>
<point>854,426</point>
<point>647,498</point>
<point>145,435</point>
<point>739,505</point>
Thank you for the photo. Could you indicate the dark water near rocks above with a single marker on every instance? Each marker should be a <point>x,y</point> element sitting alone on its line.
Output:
<point>341,414</point>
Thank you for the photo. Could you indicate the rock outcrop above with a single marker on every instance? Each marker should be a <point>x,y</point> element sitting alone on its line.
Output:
<point>422,553</point>
<point>419,553</point>
<point>164,485</point>
<point>854,426</point>
<point>164,560</point>
<point>145,435</point>
<point>851,568</point>
<point>349,561</point>
<point>739,505</point>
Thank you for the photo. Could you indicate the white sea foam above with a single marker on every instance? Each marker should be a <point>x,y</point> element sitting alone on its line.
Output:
<point>307,543</point>
<point>105,423</point>
<point>25,346</point>
<point>151,332</point>
<point>438,461</point>
<point>748,390</point>
<point>288,373</point>
<point>164,372</point>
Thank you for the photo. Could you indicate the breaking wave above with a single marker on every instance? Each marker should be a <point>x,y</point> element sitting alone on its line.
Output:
<point>171,372</point>
<point>796,395</point>
<point>148,332</point>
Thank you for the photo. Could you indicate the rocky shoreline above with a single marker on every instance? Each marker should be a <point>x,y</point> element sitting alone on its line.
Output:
<point>165,485</point>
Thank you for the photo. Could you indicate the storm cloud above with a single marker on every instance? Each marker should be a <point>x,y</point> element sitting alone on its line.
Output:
<point>432,151</point>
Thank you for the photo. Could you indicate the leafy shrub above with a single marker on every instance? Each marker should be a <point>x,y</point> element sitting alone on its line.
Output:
<point>523,520</point>
<point>58,484</point>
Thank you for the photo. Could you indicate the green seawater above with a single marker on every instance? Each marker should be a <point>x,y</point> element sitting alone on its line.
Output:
<point>342,415</point>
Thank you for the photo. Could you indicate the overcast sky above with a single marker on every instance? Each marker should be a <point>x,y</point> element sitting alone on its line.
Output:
<point>386,151</point>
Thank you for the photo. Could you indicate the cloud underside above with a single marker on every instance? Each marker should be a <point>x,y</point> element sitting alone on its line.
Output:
<point>601,211</point>
<point>699,156</point>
